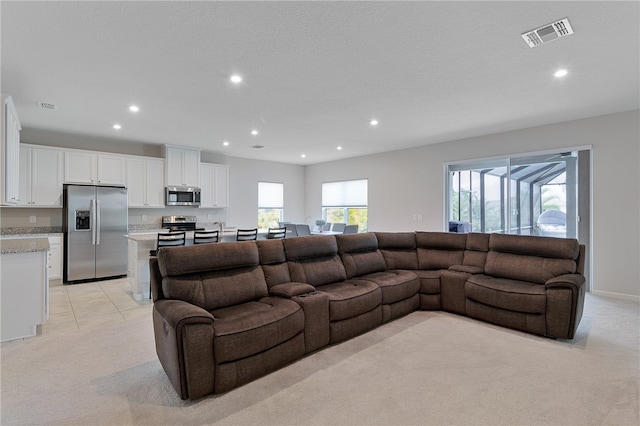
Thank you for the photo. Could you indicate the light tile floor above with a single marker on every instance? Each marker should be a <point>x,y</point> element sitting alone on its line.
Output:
<point>78,306</point>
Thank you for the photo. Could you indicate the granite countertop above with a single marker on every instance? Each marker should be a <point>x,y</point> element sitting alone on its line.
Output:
<point>149,235</point>
<point>23,245</point>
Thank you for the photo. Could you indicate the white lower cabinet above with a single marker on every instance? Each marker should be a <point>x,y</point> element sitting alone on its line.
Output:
<point>25,294</point>
<point>55,257</point>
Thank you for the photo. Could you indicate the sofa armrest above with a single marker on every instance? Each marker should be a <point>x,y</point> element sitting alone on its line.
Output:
<point>467,268</point>
<point>565,302</point>
<point>568,281</point>
<point>184,345</point>
<point>289,290</point>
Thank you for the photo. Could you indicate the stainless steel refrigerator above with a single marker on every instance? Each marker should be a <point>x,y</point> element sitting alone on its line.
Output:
<point>95,224</point>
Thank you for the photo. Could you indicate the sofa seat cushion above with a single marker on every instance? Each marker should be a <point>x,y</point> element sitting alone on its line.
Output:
<point>253,327</point>
<point>429,281</point>
<point>508,294</point>
<point>395,285</point>
<point>351,298</point>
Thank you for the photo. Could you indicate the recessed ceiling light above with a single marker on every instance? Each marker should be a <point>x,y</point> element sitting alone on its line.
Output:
<point>339,148</point>
<point>373,122</point>
<point>235,79</point>
<point>560,73</point>
<point>134,108</point>
<point>117,126</point>
<point>303,155</point>
<point>254,132</point>
<point>225,143</point>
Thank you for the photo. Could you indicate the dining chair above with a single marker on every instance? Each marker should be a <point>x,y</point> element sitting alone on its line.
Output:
<point>169,239</point>
<point>291,229</point>
<point>205,237</point>
<point>276,233</point>
<point>338,227</point>
<point>303,229</point>
<point>350,229</point>
<point>327,226</point>
<point>247,234</point>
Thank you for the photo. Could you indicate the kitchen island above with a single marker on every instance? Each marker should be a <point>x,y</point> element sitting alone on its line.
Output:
<point>24,287</point>
<point>138,251</point>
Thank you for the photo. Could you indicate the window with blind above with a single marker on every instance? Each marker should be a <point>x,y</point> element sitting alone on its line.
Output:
<point>270,204</point>
<point>346,202</point>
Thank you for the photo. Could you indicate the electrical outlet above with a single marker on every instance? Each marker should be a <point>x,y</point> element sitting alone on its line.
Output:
<point>32,219</point>
<point>209,216</point>
<point>144,217</point>
<point>417,216</point>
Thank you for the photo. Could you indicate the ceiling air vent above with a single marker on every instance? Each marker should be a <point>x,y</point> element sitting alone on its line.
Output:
<point>256,146</point>
<point>548,33</point>
<point>47,105</point>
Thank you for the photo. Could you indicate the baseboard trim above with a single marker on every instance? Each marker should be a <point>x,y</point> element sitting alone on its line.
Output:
<point>612,295</point>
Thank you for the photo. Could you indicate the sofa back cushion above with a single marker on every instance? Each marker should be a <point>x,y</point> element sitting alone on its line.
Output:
<point>476,249</point>
<point>398,249</point>
<point>212,276</point>
<point>360,254</point>
<point>314,260</point>
<point>439,250</point>
<point>561,248</point>
<point>530,258</point>
<point>274,262</point>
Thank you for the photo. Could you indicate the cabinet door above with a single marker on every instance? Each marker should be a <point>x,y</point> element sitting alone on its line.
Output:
<point>136,178</point>
<point>214,183</point>
<point>46,177</point>
<point>154,183</point>
<point>111,170</point>
<point>207,185</point>
<point>182,166</point>
<point>191,167</point>
<point>80,167</point>
<point>25,176</point>
<point>55,258</point>
<point>10,129</point>
<point>222,186</point>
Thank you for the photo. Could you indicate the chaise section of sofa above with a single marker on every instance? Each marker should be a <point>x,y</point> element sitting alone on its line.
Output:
<point>217,327</point>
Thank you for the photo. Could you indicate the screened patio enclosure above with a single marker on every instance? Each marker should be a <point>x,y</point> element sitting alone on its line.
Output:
<point>533,195</point>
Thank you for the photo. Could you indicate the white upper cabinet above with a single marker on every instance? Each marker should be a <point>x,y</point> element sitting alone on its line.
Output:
<point>182,166</point>
<point>145,182</point>
<point>96,169</point>
<point>40,176</point>
<point>214,181</point>
<point>10,153</point>
<point>112,170</point>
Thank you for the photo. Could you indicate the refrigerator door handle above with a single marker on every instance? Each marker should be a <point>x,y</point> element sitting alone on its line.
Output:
<point>92,218</point>
<point>97,222</point>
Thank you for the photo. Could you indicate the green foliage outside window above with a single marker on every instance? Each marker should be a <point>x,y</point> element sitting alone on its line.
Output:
<point>269,218</point>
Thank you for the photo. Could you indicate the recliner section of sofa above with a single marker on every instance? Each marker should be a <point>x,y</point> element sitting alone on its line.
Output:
<point>226,314</point>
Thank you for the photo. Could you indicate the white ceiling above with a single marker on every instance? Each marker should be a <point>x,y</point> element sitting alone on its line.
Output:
<point>314,73</point>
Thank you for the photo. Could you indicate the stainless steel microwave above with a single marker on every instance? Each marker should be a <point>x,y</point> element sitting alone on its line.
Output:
<point>183,196</point>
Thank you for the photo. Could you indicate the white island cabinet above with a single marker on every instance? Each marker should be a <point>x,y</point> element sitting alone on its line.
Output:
<point>24,287</point>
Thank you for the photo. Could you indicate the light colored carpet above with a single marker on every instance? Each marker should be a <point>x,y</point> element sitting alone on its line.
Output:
<point>425,368</point>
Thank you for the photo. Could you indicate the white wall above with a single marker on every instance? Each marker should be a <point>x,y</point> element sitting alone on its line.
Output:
<point>403,183</point>
<point>244,176</point>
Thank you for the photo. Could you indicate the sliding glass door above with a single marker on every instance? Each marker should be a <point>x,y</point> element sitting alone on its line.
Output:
<point>529,195</point>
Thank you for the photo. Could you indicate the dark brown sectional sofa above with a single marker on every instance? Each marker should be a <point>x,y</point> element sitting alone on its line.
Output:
<point>226,314</point>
